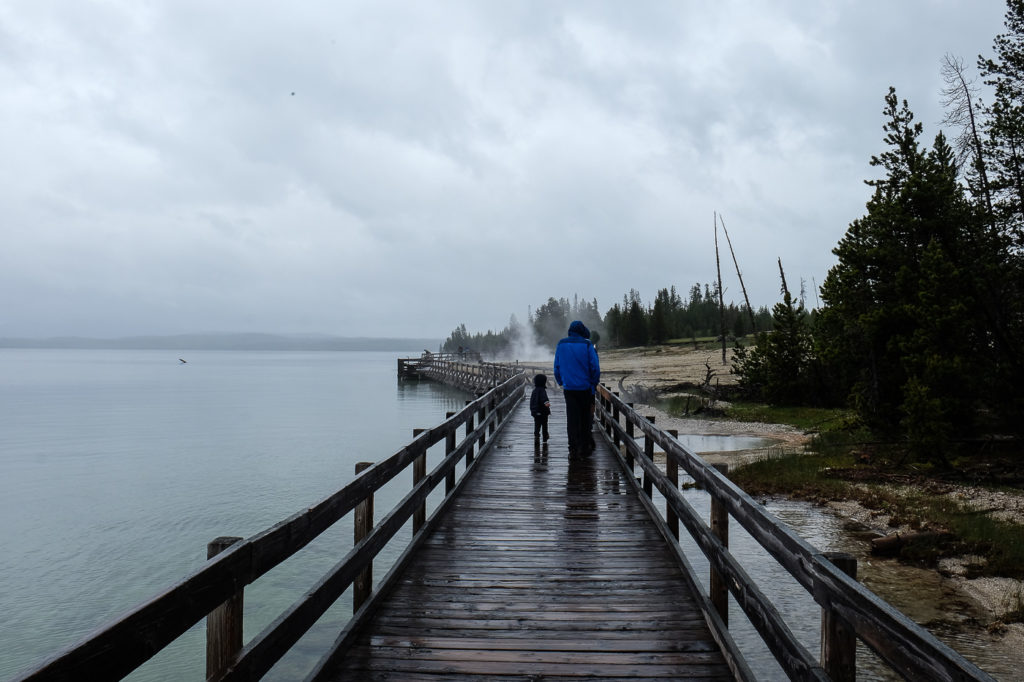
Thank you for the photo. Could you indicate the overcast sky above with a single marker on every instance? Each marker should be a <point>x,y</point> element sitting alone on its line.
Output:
<point>397,168</point>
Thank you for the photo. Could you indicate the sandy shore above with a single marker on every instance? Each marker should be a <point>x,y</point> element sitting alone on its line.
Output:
<point>665,368</point>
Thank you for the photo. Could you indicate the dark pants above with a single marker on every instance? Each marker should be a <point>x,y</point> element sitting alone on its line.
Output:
<point>540,423</point>
<point>578,417</point>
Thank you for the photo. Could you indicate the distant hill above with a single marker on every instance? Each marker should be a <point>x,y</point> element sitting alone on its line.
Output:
<point>229,342</point>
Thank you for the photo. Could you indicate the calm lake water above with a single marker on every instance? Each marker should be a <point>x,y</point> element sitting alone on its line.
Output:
<point>118,467</point>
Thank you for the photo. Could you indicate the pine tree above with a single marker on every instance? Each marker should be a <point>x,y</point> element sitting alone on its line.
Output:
<point>613,325</point>
<point>1004,124</point>
<point>900,322</point>
<point>1000,272</point>
<point>636,321</point>
<point>551,321</point>
<point>660,317</point>
<point>866,293</point>
<point>780,369</point>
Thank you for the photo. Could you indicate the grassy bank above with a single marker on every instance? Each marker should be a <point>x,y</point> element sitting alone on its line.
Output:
<point>906,497</point>
<point>815,419</point>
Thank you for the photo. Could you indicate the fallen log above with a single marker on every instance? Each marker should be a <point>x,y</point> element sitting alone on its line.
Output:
<point>891,545</point>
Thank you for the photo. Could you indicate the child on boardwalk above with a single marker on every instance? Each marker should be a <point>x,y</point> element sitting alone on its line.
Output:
<point>540,407</point>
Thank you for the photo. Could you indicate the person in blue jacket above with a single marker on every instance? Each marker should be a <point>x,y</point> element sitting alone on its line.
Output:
<point>578,372</point>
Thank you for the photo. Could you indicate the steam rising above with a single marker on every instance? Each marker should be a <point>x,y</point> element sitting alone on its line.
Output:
<point>524,347</point>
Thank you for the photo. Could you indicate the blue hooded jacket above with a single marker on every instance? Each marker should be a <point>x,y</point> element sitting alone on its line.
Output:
<point>576,364</point>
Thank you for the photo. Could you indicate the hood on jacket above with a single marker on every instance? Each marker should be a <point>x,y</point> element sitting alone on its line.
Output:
<point>540,380</point>
<point>579,329</point>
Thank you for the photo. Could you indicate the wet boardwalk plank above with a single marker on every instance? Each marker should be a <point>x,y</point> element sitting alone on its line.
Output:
<point>543,569</point>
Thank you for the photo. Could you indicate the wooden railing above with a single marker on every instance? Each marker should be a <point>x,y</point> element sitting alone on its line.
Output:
<point>410,367</point>
<point>849,609</point>
<point>475,377</point>
<point>216,589</point>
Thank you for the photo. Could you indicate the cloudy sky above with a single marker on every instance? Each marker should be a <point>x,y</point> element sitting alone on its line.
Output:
<point>397,168</point>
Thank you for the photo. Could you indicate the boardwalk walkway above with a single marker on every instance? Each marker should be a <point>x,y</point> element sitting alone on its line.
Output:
<point>543,569</point>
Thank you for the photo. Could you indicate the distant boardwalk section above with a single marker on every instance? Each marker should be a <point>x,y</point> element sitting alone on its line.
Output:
<point>465,370</point>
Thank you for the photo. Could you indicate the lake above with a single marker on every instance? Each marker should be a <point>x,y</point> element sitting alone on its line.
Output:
<point>118,467</point>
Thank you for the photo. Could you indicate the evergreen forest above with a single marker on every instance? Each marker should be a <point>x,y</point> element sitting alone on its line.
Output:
<point>629,323</point>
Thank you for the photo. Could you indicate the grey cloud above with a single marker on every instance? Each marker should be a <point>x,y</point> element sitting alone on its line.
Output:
<point>436,164</point>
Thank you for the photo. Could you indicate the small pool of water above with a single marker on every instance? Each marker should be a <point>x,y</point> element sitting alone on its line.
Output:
<point>699,442</point>
<point>718,443</point>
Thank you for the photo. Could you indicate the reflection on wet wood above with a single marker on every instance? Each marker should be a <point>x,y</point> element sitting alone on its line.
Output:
<point>542,569</point>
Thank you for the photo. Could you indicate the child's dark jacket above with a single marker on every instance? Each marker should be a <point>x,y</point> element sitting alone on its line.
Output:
<point>537,400</point>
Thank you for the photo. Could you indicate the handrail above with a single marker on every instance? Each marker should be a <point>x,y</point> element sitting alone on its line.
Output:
<point>904,645</point>
<point>452,356</point>
<point>349,633</point>
<point>266,648</point>
<point>118,648</point>
<point>472,376</point>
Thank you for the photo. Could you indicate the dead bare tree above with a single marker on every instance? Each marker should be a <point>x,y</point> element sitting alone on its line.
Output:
<point>958,100</point>
<point>708,376</point>
<point>721,294</point>
<point>753,324</point>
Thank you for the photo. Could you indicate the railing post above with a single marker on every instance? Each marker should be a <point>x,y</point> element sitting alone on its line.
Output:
<point>469,430</point>
<point>718,589</point>
<point>838,641</point>
<point>629,434</point>
<point>419,472</point>
<point>672,474</point>
<point>615,416</point>
<point>494,422</point>
<point>449,448</point>
<point>649,453</point>
<point>362,586</point>
<point>483,419</point>
<point>606,402</point>
<point>224,623</point>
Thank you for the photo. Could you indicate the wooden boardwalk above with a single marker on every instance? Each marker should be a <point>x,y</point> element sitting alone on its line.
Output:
<point>543,569</point>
